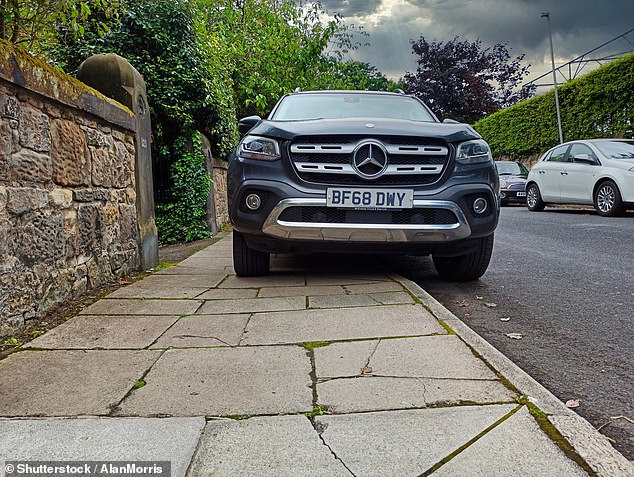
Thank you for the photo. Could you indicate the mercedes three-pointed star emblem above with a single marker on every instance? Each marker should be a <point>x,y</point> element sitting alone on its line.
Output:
<point>369,159</point>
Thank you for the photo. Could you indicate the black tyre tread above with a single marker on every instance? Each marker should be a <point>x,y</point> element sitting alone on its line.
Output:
<point>466,267</point>
<point>248,262</point>
<point>618,208</point>
<point>540,205</point>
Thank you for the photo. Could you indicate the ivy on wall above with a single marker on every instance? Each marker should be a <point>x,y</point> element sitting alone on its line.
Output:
<point>599,104</point>
<point>184,218</point>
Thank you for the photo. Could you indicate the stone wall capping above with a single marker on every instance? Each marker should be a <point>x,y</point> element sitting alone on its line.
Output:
<point>33,74</point>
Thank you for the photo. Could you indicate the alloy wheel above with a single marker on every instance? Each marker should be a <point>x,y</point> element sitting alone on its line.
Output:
<point>606,198</point>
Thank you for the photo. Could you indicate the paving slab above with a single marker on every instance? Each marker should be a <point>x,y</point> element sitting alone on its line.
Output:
<point>393,298</point>
<point>129,306</point>
<point>281,446</point>
<point>428,357</point>
<point>228,294</point>
<point>103,439</point>
<point>376,287</point>
<point>340,324</point>
<point>204,330</point>
<point>252,305</point>
<point>341,301</point>
<point>357,279</point>
<point>516,447</point>
<point>301,291</point>
<point>375,393</point>
<point>225,382</point>
<point>170,286</point>
<point>272,280</point>
<point>210,268</point>
<point>103,332</point>
<point>69,383</point>
<point>404,443</point>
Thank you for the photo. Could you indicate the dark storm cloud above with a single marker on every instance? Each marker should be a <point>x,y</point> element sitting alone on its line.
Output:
<point>578,26</point>
<point>351,8</point>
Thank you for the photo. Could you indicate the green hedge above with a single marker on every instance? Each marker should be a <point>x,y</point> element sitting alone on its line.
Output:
<point>599,104</point>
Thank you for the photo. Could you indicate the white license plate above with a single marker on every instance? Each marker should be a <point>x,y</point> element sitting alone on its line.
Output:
<point>521,194</point>
<point>370,198</point>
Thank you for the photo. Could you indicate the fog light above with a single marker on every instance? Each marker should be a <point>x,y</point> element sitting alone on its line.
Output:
<point>480,205</point>
<point>253,201</point>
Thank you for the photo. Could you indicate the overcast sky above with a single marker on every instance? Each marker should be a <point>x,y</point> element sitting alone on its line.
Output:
<point>578,26</point>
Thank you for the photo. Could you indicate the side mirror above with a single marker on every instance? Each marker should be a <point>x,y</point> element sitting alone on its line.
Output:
<point>245,124</point>
<point>584,159</point>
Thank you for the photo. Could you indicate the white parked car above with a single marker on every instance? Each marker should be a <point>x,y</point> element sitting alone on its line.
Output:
<point>597,172</point>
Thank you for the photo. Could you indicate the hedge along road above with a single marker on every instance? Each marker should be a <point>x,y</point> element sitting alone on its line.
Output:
<point>562,279</point>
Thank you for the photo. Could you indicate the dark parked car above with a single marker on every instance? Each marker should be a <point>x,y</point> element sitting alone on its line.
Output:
<point>512,182</point>
<point>361,171</point>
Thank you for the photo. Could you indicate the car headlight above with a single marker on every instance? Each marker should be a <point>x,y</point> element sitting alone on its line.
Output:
<point>262,148</point>
<point>502,184</point>
<point>474,152</point>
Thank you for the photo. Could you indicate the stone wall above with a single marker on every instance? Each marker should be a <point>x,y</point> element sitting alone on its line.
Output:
<point>68,219</point>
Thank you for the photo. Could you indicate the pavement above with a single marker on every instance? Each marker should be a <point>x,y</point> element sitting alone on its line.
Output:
<point>305,372</point>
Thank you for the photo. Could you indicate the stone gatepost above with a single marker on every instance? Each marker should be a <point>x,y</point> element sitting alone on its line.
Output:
<point>113,76</point>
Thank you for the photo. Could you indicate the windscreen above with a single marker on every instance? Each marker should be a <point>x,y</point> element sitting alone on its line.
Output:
<point>616,149</point>
<point>340,105</point>
<point>510,168</point>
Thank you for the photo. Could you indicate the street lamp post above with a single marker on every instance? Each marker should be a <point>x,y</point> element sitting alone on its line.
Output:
<point>552,59</point>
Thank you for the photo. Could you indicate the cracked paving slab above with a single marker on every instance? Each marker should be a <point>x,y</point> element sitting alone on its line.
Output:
<point>376,393</point>
<point>340,324</point>
<point>283,446</point>
<point>69,383</point>
<point>204,330</point>
<point>427,356</point>
<point>225,382</point>
<point>517,446</point>
<point>103,332</point>
<point>404,443</point>
<point>103,439</point>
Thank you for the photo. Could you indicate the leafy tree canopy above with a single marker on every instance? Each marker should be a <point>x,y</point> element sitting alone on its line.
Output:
<point>463,80</point>
<point>31,23</point>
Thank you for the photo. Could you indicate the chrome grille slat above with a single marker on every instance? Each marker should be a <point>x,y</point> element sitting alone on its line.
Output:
<point>328,160</point>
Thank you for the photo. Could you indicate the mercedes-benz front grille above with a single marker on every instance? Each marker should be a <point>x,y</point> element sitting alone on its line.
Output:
<point>352,160</point>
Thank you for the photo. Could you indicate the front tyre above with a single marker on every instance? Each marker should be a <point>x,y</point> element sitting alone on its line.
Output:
<point>464,268</point>
<point>247,261</point>
<point>607,200</point>
<point>534,200</point>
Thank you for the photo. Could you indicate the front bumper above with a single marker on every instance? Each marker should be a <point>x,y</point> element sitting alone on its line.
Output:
<point>271,228</point>
<point>275,226</point>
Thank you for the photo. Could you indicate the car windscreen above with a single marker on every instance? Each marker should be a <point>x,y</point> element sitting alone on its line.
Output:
<point>340,105</point>
<point>616,149</point>
<point>510,168</point>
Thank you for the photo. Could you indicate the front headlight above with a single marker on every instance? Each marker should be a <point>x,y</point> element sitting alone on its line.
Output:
<point>262,148</point>
<point>502,184</point>
<point>474,152</point>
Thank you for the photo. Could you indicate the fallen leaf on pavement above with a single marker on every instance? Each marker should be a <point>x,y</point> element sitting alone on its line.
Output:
<point>491,305</point>
<point>515,336</point>
<point>467,314</point>
<point>573,403</point>
<point>478,297</point>
<point>462,303</point>
<point>505,319</point>
<point>124,282</point>
<point>366,370</point>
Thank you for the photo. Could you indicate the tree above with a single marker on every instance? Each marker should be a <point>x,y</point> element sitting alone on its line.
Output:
<point>276,46</point>
<point>31,23</point>
<point>358,75</point>
<point>464,81</point>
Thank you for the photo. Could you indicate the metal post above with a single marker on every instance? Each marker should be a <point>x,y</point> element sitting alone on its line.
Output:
<point>552,58</point>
